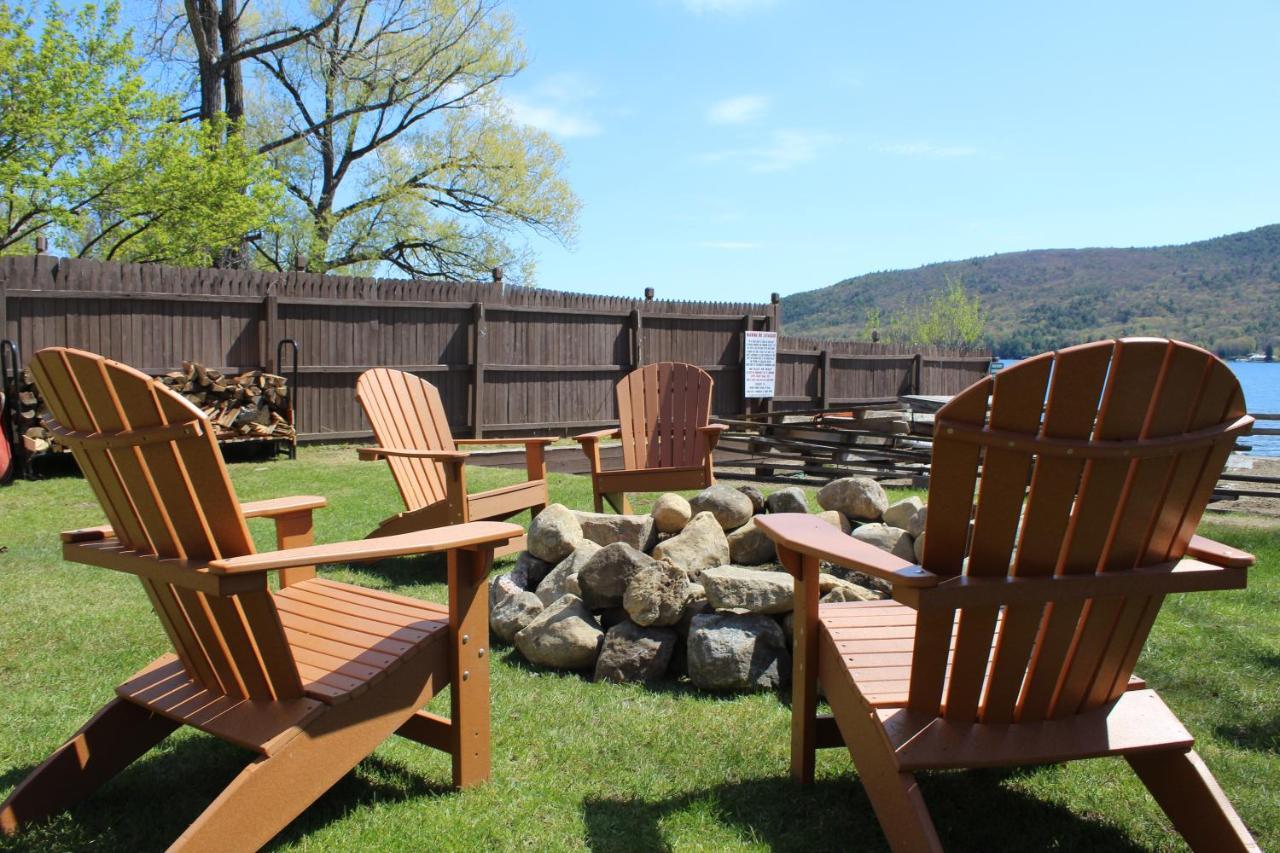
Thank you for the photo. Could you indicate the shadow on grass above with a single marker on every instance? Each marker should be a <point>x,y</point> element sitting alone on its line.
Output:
<point>149,804</point>
<point>1256,735</point>
<point>971,810</point>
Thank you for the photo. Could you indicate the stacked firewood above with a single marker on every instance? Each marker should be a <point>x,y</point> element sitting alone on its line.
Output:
<point>253,404</point>
<point>27,421</point>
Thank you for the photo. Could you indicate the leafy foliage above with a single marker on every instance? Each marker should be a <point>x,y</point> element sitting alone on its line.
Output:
<point>396,149</point>
<point>92,157</point>
<point>947,317</point>
<point>1220,293</point>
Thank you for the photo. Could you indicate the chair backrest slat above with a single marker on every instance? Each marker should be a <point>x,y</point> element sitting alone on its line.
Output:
<point>170,497</point>
<point>407,412</point>
<point>660,407</point>
<point>1037,513</point>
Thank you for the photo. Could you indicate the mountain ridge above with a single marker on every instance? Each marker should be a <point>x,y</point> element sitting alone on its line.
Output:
<point>1222,293</point>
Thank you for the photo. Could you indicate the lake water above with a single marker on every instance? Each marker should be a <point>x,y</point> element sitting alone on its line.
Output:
<point>1261,384</point>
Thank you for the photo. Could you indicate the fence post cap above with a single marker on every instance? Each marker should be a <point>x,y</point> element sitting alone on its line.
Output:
<point>648,294</point>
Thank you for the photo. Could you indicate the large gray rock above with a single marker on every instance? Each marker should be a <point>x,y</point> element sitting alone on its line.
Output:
<point>701,545</point>
<point>511,606</point>
<point>859,498</point>
<point>908,513</point>
<point>790,499</point>
<point>635,653</point>
<point>603,528</point>
<point>671,513</point>
<point>755,496</point>
<point>895,540</point>
<point>835,519</point>
<point>749,546</point>
<point>737,652</point>
<point>730,507</point>
<point>604,577</point>
<point>554,533</point>
<point>564,577</point>
<point>656,594</point>
<point>737,588</point>
<point>563,636</point>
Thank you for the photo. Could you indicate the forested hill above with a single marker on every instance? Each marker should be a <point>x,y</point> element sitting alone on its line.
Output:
<point>1223,294</point>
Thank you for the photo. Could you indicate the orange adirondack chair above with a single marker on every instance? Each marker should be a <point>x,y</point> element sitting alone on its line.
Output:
<point>1016,643</point>
<point>413,435</point>
<point>663,415</point>
<point>311,678</point>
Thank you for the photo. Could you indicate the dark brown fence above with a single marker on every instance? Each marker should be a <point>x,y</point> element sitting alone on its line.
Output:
<point>506,360</point>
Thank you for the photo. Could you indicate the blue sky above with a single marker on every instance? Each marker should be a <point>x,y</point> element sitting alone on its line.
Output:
<point>726,149</point>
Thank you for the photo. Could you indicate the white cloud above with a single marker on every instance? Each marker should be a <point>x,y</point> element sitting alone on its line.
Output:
<point>929,150</point>
<point>552,119</point>
<point>725,7</point>
<point>783,150</point>
<point>557,104</point>
<point>738,110</point>
<point>727,245</point>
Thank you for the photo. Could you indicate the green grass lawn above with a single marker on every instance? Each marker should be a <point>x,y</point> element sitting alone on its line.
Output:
<point>582,765</point>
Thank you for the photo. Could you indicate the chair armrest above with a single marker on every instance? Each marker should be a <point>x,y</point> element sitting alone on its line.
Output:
<point>1218,554</point>
<point>371,453</point>
<point>590,437</point>
<point>711,432</point>
<point>270,508</point>
<point>809,535</point>
<point>435,540</point>
<point>461,442</point>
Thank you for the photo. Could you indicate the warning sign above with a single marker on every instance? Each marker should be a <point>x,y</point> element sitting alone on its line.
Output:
<point>761,363</point>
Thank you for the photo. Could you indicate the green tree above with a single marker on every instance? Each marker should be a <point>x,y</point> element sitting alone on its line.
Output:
<point>947,317</point>
<point>390,133</point>
<point>92,157</point>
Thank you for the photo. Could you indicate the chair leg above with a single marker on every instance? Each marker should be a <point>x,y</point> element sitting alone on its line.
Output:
<point>112,740</point>
<point>599,501</point>
<point>273,790</point>
<point>619,502</point>
<point>1190,796</point>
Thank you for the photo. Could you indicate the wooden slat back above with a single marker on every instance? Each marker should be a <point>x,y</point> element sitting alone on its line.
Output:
<point>406,411</point>
<point>172,499</point>
<point>660,408</point>
<point>1039,511</point>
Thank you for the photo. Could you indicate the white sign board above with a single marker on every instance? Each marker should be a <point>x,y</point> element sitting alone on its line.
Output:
<point>761,363</point>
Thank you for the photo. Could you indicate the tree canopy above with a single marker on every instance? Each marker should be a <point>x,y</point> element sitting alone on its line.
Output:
<point>93,158</point>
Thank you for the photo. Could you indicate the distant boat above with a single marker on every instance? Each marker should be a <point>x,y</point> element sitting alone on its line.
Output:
<point>1253,356</point>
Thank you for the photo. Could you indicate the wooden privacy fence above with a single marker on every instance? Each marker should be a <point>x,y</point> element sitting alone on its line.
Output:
<point>506,359</point>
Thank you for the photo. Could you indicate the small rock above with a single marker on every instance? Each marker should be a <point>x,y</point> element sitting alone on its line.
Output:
<point>755,496</point>
<point>604,577</point>
<point>895,540</point>
<point>908,513</point>
<point>671,513</point>
<point>737,588</point>
<point>701,545</point>
<point>917,548</point>
<point>603,528</point>
<point>564,577</point>
<point>737,652</point>
<point>635,653</point>
<point>656,594</point>
<point>563,636</point>
<point>858,498</point>
<point>511,607</point>
<point>849,592</point>
<point>836,519</point>
<point>790,499</point>
<point>749,546</point>
<point>554,533</point>
<point>531,569</point>
<point>730,507</point>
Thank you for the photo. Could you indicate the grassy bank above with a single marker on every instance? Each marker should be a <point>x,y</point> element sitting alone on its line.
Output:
<point>582,765</point>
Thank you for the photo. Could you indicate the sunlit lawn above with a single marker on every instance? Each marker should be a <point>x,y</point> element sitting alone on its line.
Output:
<point>583,765</point>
